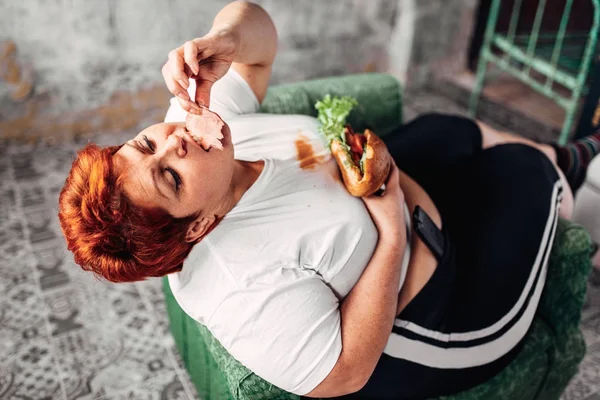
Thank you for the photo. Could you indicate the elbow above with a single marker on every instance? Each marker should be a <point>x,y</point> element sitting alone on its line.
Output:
<point>350,383</point>
<point>270,36</point>
<point>249,8</point>
<point>357,383</point>
<point>357,380</point>
<point>341,390</point>
<point>243,3</point>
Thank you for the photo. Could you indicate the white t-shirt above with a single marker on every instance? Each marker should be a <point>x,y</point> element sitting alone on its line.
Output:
<point>268,280</point>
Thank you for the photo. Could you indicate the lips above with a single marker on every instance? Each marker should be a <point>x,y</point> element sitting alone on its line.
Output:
<point>202,143</point>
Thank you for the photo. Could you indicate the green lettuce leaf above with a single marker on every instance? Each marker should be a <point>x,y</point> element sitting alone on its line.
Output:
<point>333,111</point>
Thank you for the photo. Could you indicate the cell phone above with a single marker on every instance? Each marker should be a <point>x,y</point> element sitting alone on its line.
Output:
<point>429,233</point>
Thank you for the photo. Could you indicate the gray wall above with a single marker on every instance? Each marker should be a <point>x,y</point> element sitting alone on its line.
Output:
<point>79,54</point>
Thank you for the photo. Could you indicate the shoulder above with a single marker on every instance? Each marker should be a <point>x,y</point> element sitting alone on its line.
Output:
<point>203,282</point>
<point>278,136</point>
<point>293,323</point>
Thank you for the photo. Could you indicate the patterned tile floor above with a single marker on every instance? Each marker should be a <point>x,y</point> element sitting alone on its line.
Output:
<point>63,333</point>
<point>66,335</point>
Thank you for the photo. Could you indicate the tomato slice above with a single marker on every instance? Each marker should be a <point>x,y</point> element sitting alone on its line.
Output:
<point>349,137</point>
<point>356,142</point>
<point>362,139</point>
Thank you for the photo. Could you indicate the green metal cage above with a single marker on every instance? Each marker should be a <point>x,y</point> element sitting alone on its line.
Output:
<point>554,57</point>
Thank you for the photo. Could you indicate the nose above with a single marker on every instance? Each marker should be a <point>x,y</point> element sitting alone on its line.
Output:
<point>176,144</point>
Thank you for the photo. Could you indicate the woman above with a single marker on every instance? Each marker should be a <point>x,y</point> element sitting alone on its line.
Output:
<point>297,279</point>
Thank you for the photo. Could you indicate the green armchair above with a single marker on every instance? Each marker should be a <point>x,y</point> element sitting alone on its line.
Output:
<point>554,345</point>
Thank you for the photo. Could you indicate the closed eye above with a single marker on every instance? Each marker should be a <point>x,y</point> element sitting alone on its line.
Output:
<point>176,177</point>
<point>149,144</point>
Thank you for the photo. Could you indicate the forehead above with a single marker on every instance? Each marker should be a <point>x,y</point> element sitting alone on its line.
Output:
<point>160,129</point>
<point>125,156</point>
<point>136,178</point>
<point>163,127</point>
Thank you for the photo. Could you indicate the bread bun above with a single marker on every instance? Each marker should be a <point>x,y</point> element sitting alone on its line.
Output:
<point>376,165</point>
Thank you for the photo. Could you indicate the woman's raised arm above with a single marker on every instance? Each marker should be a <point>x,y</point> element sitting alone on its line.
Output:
<point>257,42</point>
<point>243,36</point>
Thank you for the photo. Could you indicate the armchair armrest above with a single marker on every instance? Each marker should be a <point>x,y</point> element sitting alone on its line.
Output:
<point>568,270</point>
<point>379,97</point>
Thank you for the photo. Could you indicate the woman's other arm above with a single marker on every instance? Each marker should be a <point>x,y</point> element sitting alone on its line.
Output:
<point>369,310</point>
<point>422,261</point>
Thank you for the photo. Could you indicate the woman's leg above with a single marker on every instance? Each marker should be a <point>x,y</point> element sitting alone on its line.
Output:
<point>492,137</point>
<point>430,146</point>
<point>468,322</point>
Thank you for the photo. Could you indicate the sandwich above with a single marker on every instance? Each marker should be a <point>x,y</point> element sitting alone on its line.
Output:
<point>363,158</point>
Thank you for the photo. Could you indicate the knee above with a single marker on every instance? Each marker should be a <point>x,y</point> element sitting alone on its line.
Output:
<point>517,158</point>
<point>518,179</point>
<point>435,120</point>
<point>451,125</point>
<point>519,169</point>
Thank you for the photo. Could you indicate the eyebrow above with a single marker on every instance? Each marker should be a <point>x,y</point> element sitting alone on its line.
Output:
<point>153,173</point>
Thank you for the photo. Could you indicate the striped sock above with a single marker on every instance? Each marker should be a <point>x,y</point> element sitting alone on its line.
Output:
<point>574,158</point>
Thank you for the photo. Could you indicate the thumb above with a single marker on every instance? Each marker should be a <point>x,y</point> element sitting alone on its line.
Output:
<point>203,92</point>
<point>205,46</point>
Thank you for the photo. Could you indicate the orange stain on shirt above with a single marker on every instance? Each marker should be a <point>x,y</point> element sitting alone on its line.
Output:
<point>305,154</point>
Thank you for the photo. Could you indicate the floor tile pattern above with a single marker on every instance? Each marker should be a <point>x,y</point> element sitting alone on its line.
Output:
<point>63,333</point>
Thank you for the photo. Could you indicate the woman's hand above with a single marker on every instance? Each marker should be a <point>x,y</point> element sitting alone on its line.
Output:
<point>206,59</point>
<point>387,211</point>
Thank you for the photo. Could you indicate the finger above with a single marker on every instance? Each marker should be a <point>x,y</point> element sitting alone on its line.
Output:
<point>190,52</point>
<point>394,180</point>
<point>203,92</point>
<point>203,47</point>
<point>174,86</point>
<point>189,106</point>
<point>177,68</point>
<point>394,170</point>
<point>188,72</point>
<point>392,174</point>
<point>184,104</point>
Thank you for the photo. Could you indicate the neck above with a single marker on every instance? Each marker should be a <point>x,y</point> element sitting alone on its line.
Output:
<point>245,173</point>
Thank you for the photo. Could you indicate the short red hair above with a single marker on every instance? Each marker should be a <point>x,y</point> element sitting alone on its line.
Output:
<point>109,235</point>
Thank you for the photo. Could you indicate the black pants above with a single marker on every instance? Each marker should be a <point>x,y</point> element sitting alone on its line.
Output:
<point>499,211</point>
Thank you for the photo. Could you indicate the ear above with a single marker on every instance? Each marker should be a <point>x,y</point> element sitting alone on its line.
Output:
<point>200,227</point>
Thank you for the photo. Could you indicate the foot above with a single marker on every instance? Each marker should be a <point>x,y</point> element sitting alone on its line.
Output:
<point>574,158</point>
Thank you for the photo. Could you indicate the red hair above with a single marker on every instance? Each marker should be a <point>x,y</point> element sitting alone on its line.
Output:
<point>109,235</point>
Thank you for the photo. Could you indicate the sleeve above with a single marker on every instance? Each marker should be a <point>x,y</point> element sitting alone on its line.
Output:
<point>289,335</point>
<point>230,96</point>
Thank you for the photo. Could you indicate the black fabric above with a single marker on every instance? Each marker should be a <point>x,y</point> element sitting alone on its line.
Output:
<point>495,205</point>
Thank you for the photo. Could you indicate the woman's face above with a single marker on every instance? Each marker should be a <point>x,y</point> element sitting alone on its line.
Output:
<point>163,167</point>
